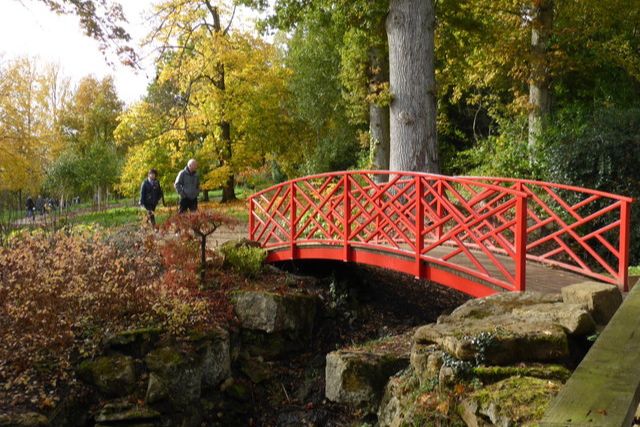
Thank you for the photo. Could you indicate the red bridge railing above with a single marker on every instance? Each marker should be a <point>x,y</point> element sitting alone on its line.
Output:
<point>473,234</point>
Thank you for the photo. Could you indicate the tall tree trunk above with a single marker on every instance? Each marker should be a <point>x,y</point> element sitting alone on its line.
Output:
<point>379,115</point>
<point>540,80</point>
<point>410,31</point>
<point>228,189</point>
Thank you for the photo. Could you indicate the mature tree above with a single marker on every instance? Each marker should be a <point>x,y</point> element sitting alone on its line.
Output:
<point>410,32</point>
<point>313,55</point>
<point>412,83</point>
<point>220,96</point>
<point>90,162</point>
<point>30,100</point>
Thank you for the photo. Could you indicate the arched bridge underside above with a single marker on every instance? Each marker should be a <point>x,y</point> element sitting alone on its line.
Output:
<point>478,235</point>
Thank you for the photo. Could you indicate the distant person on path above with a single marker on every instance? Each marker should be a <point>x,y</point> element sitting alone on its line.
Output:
<point>188,187</point>
<point>150,195</point>
<point>31,207</point>
<point>40,205</point>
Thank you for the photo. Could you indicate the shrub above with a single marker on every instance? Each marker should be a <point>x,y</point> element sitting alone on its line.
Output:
<point>599,150</point>
<point>62,293</point>
<point>246,260</point>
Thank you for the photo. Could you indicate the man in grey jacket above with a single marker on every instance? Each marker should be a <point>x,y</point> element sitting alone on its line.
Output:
<point>188,187</point>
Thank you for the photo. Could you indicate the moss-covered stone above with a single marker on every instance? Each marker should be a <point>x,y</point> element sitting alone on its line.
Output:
<point>512,340</point>
<point>134,342</point>
<point>256,369</point>
<point>270,312</point>
<point>164,360</point>
<point>27,419</point>
<point>181,375</point>
<point>125,413</point>
<point>517,401</point>
<point>238,391</point>
<point>113,375</point>
<point>491,374</point>
<point>601,299</point>
<point>359,378</point>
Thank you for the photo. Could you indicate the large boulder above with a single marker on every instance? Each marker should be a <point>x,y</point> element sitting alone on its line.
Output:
<point>497,339</point>
<point>272,324</point>
<point>497,304</point>
<point>270,312</point>
<point>396,405</point>
<point>600,299</point>
<point>175,376</point>
<point>574,318</point>
<point>113,375</point>
<point>213,348</point>
<point>358,378</point>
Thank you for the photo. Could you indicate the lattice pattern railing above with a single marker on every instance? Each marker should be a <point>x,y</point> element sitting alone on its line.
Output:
<point>483,228</point>
<point>577,229</point>
<point>437,219</point>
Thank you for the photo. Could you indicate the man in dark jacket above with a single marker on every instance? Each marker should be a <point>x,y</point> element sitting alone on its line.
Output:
<point>150,195</point>
<point>188,187</point>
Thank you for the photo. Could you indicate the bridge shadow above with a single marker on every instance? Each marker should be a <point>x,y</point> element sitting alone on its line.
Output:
<point>397,297</point>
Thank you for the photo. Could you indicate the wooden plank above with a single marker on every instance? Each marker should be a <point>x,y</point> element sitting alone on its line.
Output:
<point>604,391</point>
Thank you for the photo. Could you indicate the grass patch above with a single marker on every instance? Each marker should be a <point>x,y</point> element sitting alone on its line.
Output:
<point>634,270</point>
<point>118,217</point>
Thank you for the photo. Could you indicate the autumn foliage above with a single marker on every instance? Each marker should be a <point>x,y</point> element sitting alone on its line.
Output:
<point>63,294</point>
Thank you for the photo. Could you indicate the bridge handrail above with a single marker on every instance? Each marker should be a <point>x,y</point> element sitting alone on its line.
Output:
<point>617,275</point>
<point>468,180</point>
<point>549,184</point>
<point>468,217</point>
<point>404,221</point>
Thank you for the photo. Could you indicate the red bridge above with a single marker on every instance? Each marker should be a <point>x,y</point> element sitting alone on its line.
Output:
<point>475,234</point>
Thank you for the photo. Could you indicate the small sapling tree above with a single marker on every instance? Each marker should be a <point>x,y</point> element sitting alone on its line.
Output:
<point>200,225</point>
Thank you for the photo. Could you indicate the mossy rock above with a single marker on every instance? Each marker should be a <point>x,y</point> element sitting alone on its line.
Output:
<point>113,375</point>
<point>257,370</point>
<point>271,312</point>
<point>125,413</point>
<point>135,342</point>
<point>27,419</point>
<point>515,401</point>
<point>359,378</point>
<point>498,304</point>
<point>492,374</point>
<point>180,374</point>
<point>164,360</point>
<point>508,339</point>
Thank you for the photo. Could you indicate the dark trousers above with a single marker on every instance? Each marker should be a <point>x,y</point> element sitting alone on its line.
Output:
<point>151,218</point>
<point>188,205</point>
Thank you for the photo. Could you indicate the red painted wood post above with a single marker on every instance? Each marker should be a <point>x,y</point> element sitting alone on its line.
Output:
<point>625,229</point>
<point>292,219</point>
<point>346,217</point>
<point>251,219</point>
<point>419,225</point>
<point>439,206</point>
<point>520,241</point>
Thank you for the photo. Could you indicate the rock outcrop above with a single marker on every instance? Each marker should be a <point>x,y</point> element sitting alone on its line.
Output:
<point>358,378</point>
<point>512,347</point>
<point>273,325</point>
<point>600,299</point>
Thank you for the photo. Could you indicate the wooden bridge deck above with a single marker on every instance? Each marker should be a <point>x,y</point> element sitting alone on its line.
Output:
<point>540,277</point>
